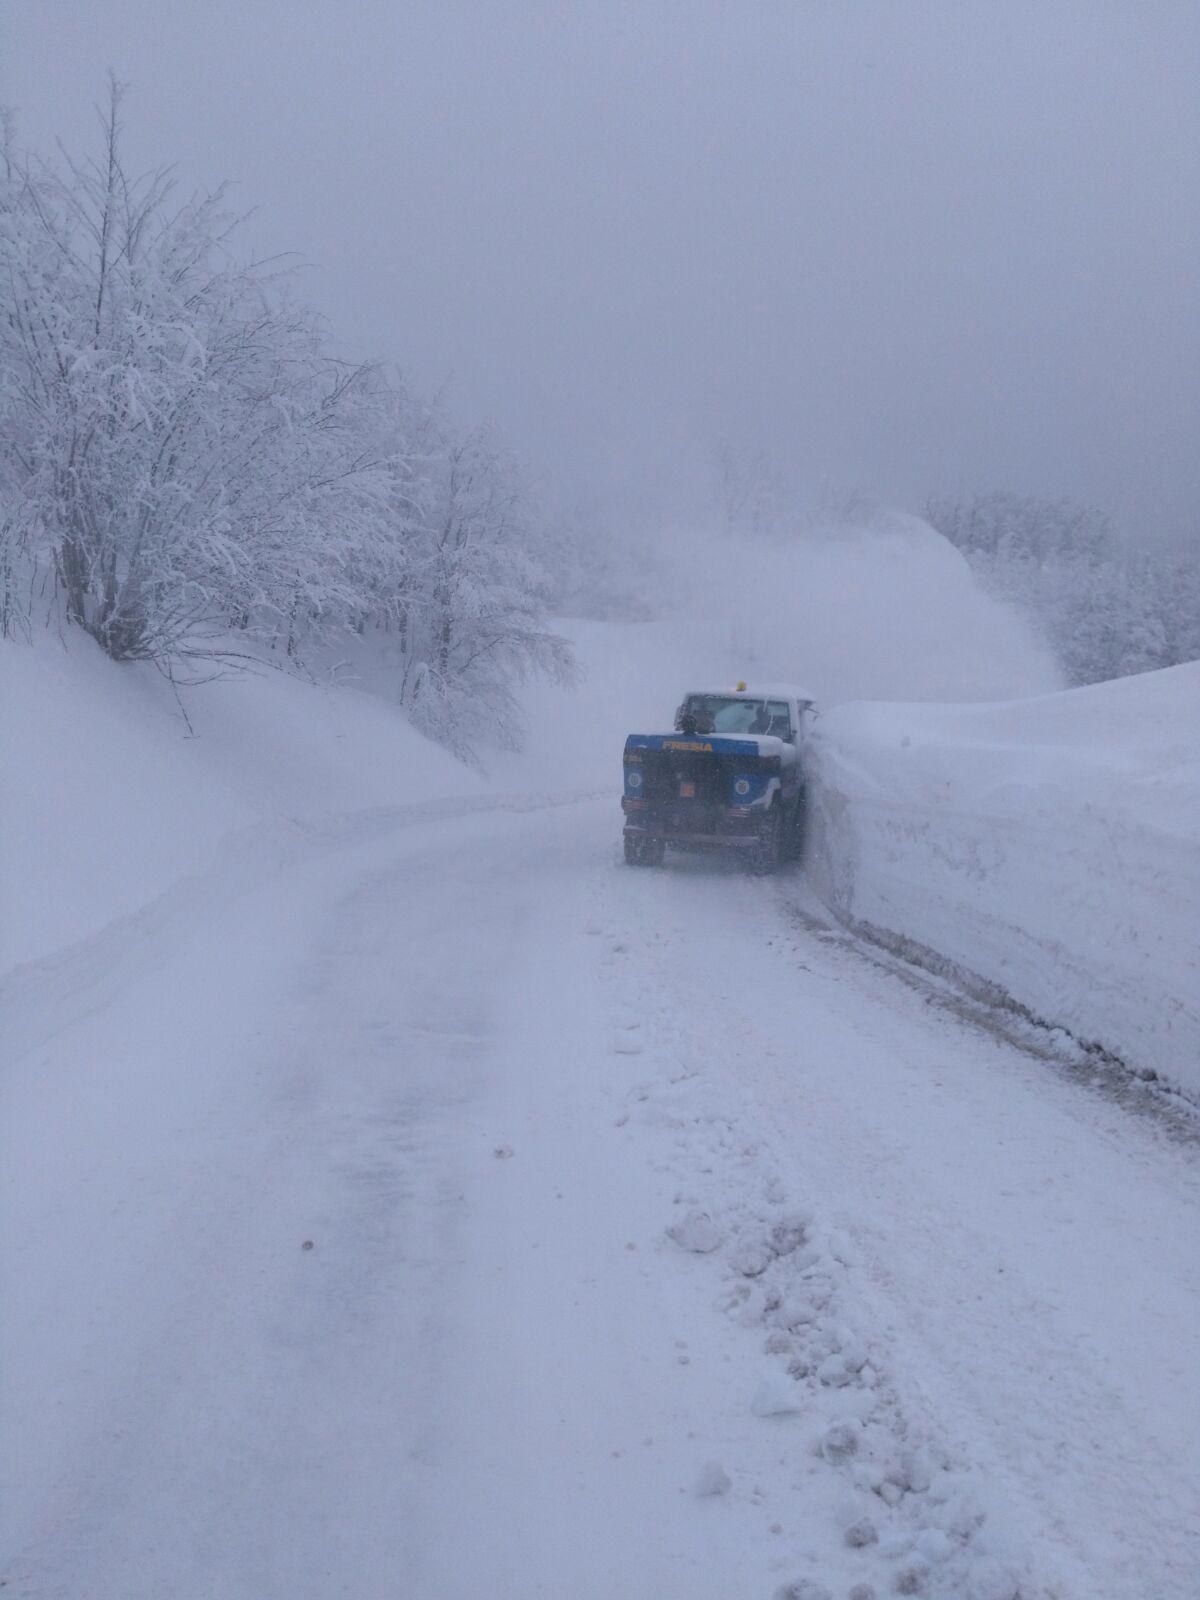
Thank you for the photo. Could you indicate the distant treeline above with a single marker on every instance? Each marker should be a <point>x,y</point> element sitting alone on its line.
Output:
<point>1106,608</point>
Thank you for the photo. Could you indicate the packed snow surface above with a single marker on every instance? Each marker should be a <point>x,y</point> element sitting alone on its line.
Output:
<point>1050,847</point>
<point>354,1255</point>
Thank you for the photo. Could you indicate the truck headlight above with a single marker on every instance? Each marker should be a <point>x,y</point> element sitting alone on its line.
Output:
<point>634,779</point>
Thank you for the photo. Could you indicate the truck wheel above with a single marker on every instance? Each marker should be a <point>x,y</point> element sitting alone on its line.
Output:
<point>796,831</point>
<point>768,853</point>
<point>642,850</point>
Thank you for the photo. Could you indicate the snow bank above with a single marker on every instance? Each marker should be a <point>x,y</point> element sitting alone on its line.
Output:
<point>106,799</point>
<point>1049,847</point>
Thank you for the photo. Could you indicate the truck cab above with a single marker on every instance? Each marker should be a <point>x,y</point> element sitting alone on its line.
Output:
<point>729,777</point>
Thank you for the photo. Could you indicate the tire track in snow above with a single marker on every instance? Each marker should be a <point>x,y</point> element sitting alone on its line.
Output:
<point>716,1021</point>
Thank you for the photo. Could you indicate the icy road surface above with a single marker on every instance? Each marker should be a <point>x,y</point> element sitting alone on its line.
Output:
<point>448,1212</point>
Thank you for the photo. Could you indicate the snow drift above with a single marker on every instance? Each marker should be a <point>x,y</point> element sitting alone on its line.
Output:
<point>1048,847</point>
<point>107,798</point>
<point>882,609</point>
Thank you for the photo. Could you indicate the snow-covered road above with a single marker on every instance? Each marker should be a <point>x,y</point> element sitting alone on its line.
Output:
<point>450,1211</point>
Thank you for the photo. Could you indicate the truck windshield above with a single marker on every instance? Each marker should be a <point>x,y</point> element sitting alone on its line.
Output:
<point>717,713</point>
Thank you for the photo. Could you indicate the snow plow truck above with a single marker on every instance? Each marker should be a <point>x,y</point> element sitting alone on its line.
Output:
<point>730,777</point>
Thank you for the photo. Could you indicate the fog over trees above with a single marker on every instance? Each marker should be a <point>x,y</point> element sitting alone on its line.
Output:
<point>1106,607</point>
<point>916,248</point>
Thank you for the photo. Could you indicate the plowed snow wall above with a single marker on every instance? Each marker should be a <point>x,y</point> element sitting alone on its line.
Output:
<point>1049,848</point>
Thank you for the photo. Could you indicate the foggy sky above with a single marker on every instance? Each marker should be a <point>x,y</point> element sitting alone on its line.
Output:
<point>904,245</point>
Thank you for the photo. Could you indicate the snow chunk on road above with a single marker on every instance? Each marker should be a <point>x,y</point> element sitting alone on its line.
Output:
<point>839,1441</point>
<point>861,1533</point>
<point>790,1232</point>
<point>751,1258</point>
<point>912,1472</point>
<point>777,1396</point>
<point>803,1589</point>
<point>712,1480</point>
<point>698,1233</point>
<point>932,1546</point>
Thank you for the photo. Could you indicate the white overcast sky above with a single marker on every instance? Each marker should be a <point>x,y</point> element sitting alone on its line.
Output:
<point>903,245</point>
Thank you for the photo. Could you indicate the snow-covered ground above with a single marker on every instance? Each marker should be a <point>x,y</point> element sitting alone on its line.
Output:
<point>401,1197</point>
<point>495,1079</point>
<point>1047,847</point>
<point>108,798</point>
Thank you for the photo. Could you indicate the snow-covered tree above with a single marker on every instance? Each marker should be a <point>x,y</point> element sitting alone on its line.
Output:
<point>187,471</point>
<point>178,446</point>
<point>747,489</point>
<point>471,614</point>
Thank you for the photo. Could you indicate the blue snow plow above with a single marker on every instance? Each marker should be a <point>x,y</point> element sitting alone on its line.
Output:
<point>729,778</point>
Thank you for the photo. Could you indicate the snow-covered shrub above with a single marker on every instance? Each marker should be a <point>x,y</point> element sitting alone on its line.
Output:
<point>470,614</point>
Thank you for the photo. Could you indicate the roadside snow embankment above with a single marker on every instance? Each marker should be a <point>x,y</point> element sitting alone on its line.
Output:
<point>1048,847</point>
<point>107,799</point>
